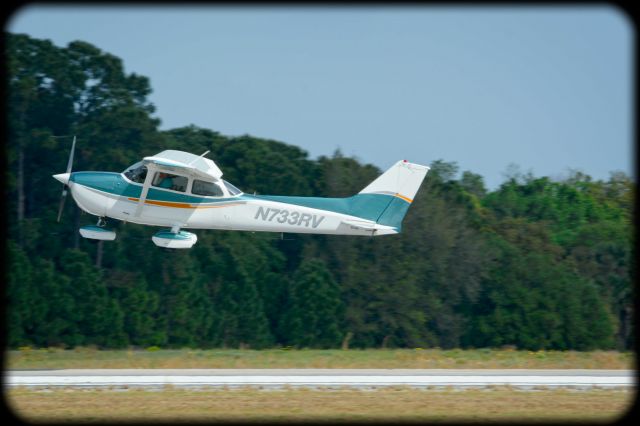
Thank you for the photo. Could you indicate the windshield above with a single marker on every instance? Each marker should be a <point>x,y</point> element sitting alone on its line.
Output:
<point>232,189</point>
<point>136,173</point>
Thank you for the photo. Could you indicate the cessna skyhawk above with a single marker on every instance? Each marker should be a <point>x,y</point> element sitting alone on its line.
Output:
<point>178,190</point>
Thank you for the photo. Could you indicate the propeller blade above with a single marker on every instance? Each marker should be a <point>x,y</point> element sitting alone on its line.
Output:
<point>62,200</point>
<point>63,197</point>
<point>73,148</point>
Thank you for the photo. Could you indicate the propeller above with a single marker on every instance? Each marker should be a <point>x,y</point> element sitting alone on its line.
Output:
<point>64,178</point>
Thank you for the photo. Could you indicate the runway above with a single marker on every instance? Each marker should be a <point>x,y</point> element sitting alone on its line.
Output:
<point>321,378</point>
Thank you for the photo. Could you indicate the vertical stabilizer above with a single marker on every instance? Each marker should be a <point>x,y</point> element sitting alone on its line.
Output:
<point>402,180</point>
<point>391,194</point>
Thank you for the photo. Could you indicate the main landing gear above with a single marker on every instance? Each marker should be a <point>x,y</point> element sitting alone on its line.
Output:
<point>98,231</point>
<point>174,238</point>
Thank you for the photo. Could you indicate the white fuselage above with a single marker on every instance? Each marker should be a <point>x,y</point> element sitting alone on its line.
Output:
<point>239,212</point>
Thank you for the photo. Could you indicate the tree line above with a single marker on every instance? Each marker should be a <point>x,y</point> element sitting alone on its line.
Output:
<point>538,263</point>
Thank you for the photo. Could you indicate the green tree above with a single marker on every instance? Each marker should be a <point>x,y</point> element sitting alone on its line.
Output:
<point>473,184</point>
<point>99,319</point>
<point>59,327</point>
<point>25,306</point>
<point>185,301</point>
<point>314,310</point>
<point>142,321</point>
<point>539,263</point>
<point>240,319</point>
<point>533,301</point>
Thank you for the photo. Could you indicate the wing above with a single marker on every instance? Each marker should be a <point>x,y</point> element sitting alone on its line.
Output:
<point>186,163</point>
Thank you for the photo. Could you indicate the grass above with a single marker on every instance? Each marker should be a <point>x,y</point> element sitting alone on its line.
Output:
<point>252,405</point>
<point>54,358</point>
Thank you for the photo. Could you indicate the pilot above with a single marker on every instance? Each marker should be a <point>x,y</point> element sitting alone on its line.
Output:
<point>166,181</point>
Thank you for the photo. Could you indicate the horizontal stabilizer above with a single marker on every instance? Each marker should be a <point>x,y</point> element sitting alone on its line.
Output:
<point>370,226</point>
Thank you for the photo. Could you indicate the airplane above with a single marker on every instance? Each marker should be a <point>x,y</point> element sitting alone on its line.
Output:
<point>179,190</point>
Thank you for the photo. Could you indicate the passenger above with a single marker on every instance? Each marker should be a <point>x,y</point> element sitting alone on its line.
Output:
<point>166,181</point>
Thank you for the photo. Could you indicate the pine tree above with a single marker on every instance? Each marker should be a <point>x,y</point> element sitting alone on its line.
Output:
<point>314,315</point>
<point>240,319</point>
<point>20,296</point>
<point>185,301</point>
<point>98,319</point>
<point>142,322</point>
<point>60,326</point>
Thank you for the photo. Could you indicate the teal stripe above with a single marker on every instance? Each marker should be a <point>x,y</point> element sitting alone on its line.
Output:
<point>384,209</point>
<point>114,183</point>
<point>182,235</point>
<point>381,208</point>
<point>394,213</point>
<point>95,228</point>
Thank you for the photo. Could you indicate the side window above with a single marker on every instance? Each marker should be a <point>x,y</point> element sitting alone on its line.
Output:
<point>209,189</point>
<point>169,181</point>
<point>138,175</point>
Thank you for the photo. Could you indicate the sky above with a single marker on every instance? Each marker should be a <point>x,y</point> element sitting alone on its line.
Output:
<point>547,89</point>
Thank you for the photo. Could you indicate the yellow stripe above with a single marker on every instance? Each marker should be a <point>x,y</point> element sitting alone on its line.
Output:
<point>179,205</point>
<point>408,200</point>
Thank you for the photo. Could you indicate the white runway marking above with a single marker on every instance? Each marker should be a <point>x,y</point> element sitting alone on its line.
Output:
<point>322,378</point>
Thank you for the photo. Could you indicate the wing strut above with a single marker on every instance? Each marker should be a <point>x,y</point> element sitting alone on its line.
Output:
<point>145,189</point>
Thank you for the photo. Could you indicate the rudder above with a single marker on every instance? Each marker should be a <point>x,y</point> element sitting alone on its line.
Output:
<point>393,192</point>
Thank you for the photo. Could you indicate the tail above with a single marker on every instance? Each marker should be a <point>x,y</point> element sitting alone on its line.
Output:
<point>387,199</point>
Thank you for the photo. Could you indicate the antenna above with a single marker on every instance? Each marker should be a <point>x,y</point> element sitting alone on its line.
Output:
<point>202,155</point>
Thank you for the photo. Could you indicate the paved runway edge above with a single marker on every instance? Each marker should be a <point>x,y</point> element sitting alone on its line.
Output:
<point>314,378</point>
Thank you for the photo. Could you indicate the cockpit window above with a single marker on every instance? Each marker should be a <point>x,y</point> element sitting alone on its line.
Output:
<point>209,189</point>
<point>169,181</point>
<point>137,174</point>
<point>232,189</point>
